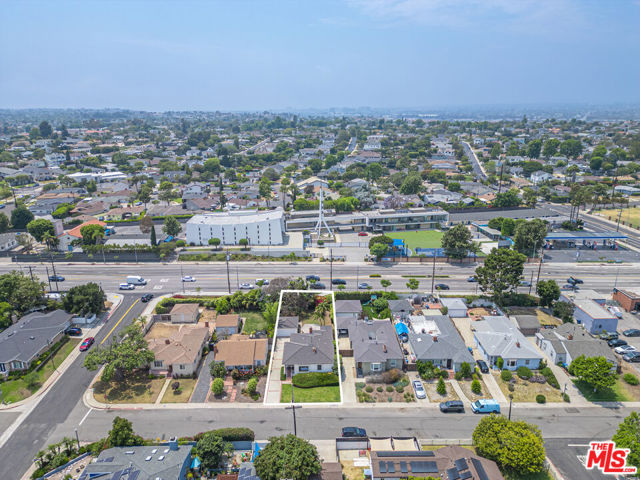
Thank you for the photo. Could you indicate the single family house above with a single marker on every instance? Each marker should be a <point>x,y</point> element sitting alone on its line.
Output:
<point>241,352</point>
<point>497,337</point>
<point>375,346</point>
<point>309,352</point>
<point>227,325</point>
<point>435,339</point>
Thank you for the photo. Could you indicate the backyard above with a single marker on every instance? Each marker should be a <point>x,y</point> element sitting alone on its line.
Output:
<point>253,322</point>
<point>310,395</point>
<point>16,390</point>
<point>139,387</point>
<point>182,393</point>
<point>543,317</point>
<point>420,238</point>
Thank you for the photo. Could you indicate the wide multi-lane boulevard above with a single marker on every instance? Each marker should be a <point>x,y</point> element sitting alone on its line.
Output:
<point>61,409</point>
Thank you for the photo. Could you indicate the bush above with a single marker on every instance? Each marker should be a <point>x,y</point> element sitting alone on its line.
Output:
<point>476,387</point>
<point>565,397</point>
<point>391,376</point>
<point>217,369</point>
<point>389,388</point>
<point>506,375</point>
<point>550,377</point>
<point>630,378</point>
<point>512,387</point>
<point>465,370</point>
<point>524,373</point>
<point>541,398</point>
<point>315,379</point>
<point>442,388</point>
<point>369,388</point>
<point>252,385</point>
<point>283,376</point>
<point>500,362</point>
<point>458,376</point>
<point>230,434</point>
<point>399,388</point>
<point>444,310</point>
<point>217,387</point>
<point>379,389</point>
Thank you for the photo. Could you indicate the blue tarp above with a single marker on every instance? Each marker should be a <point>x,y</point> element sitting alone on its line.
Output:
<point>401,329</point>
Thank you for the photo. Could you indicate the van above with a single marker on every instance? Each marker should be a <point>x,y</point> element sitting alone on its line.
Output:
<point>136,280</point>
<point>485,406</point>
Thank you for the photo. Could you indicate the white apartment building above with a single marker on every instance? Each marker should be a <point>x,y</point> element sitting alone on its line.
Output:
<point>259,228</point>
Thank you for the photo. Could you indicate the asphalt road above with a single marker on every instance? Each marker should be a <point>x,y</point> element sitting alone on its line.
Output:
<point>566,455</point>
<point>17,454</point>
<point>212,277</point>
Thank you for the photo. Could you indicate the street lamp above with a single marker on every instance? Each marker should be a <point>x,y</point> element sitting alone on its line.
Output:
<point>228,279</point>
<point>77,438</point>
<point>510,401</point>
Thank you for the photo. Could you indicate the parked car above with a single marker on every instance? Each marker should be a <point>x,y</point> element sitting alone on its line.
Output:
<point>127,286</point>
<point>86,344</point>
<point>632,332</point>
<point>624,349</point>
<point>53,296</point>
<point>362,234</point>
<point>188,278</point>
<point>485,406</point>
<point>574,281</point>
<point>616,342</point>
<point>73,331</point>
<point>313,277</point>
<point>56,278</point>
<point>472,278</point>
<point>364,286</point>
<point>452,406</point>
<point>609,335</point>
<point>146,297</point>
<point>632,357</point>
<point>353,432</point>
<point>419,389</point>
<point>319,286</point>
<point>442,286</point>
<point>246,286</point>
<point>569,286</point>
<point>263,280</point>
<point>525,283</point>
<point>338,281</point>
<point>482,365</point>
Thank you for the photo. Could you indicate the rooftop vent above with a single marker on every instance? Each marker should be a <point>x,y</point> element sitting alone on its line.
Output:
<point>148,459</point>
<point>31,337</point>
<point>129,452</point>
<point>161,458</point>
<point>167,341</point>
<point>154,451</point>
<point>166,450</point>
<point>384,348</point>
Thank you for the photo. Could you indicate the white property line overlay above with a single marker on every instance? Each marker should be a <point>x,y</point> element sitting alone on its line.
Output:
<point>336,350</point>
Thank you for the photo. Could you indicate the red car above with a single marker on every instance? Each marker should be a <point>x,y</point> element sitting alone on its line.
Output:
<point>86,343</point>
<point>363,234</point>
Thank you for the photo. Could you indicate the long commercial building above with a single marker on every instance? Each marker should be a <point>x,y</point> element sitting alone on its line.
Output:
<point>387,220</point>
<point>259,228</point>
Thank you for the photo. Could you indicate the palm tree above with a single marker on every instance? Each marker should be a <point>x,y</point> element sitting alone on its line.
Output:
<point>322,309</point>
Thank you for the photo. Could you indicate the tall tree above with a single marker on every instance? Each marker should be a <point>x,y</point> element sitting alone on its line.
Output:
<point>154,240</point>
<point>287,457</point>
<point>457,242</point>
<point>550,147</point>
<point>39,227</point>
<point>85,299</point>
<point>529,236</point>
<point>597,372</point>
<point>265,189</point>
<point>548,291</point>
<point>4,222</point>
<point>628,436</point>
<point>92,234</point>
<point>212,450</point>
<point>501,272</point>
<point>122,435</point>
<point>533,148</point>
<point>19,291</point>
<point>172,226</point>
<point>20,217</point>
<point>45,129</point>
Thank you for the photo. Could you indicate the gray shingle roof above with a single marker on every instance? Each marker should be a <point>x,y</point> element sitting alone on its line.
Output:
<point>27,337</point>
<point>288,322</point>
<point>348,306</point>
<point>398,306</point>
<point>449,343</point>
<point>309,348</point>
<point>500,337</point>
<point>527,321</point>
<point>374,341</point>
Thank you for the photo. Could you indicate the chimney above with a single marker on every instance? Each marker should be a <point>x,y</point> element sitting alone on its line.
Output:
<point>315,350</point>
<point>173,443</point>
<point>518,344</point>
<point>435,338</point>
<point>206,324</point>
<point>384,348</point>
<point>167,341</point>
<point>569,337</point>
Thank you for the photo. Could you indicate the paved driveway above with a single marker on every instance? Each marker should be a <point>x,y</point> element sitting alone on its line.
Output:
<point>203,384</point>
<point>272,395</point>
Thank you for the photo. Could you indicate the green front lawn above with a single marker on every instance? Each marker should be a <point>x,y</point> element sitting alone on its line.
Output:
<point>617,393</point>
<point>253,322</point>
<point>16,390</point>
<point>183,393</point>
<point>136,388</point>
<point>419,238</point>
<point>310,395</point>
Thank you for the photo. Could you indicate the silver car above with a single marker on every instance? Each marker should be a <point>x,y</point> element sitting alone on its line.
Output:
<point>419,389</point>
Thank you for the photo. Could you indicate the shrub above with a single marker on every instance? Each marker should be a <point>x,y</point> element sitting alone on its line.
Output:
<point>175,385</point>
<point>399,389</point>
<point>283,376</point>
<point>630,378</point>
<point>391,376</point>
<point>389,388</point>
<point>444,310</point>
<point>369,388</point>
<point>511,387</point>
<point>476,387</point>
<point>524,373</point>
<point>230,434</point>
<point>541,398</point>
<point>380,389</point>
<point>315,379</point>
<point>442,388</point>
<point>217,369</point>
<point>458,376</point>
<point>565,397</point>
<point>252,385</point>
<point>217,387</point>
<point>506,375</point>
<point>500,362</point>
<point>465,370</point>
<point>550,377</point>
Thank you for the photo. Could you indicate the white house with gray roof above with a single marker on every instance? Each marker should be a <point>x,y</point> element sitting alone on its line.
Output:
<point>375,346</point>
<point>499,337</point>
<point>346,311</point>
<point>568,341</point>
<point>309,352</point>
<point>32,335</point>
<point>441,344</point>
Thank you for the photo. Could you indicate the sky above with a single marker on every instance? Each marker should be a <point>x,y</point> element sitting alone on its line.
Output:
<point>276,55</point>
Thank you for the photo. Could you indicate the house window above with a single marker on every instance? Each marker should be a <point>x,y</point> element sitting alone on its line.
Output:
<point>303,368</point>
<point>181,367</point>
<point>526,362</point>
<point>392,363</point>
<point>511,363</point>
<point>319,367</point>
<point>376,367</point>
<point>258,363</point>
<point>157,363</point>
<point>2,367</point>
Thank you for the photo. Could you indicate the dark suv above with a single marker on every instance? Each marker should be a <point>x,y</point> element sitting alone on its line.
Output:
<point>482,365</point>
<point>313,277</point>
<point>338,281</point>
<point>452,406</point>
<point>146,297</point>
<point>353,432</point>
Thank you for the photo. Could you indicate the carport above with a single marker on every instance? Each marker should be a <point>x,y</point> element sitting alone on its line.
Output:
<point>581,239</point>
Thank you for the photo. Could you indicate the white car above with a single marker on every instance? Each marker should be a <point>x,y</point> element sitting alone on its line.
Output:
<point>246,286</point>
<point>127,286</point>
<point>188,278</point>
<point>624,349</point>
<point>419,389</point>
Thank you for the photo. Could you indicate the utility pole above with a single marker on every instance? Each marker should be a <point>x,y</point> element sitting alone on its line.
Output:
<point>433,272</point>
<point>55,275</point>
<point>237,278</point>
<point>539,269</point>
<point>510,400</point>
<point>182,278</point>
<point>618,225</point>
<point>531,283</point>
<point>31,273</point>
<point>77,438</point>
<point>103,259</point>
<point>331,268</point>
<point>500,180</point>
<point>48,279</point>
<point>228,280</point>
<point>357,275</point>
<point>293,410</point>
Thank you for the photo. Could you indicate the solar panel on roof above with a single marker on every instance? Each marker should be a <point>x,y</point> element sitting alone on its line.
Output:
<point>403,467</point>
<point>461,464</point>
<point>482,474</point>
<point>424,467</point>
<point>452,474</point>
<point>465,475</point>
<point>383,467</point>
<point>391,467</point>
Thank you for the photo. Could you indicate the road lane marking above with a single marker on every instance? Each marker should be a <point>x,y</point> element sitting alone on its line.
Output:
<point>164,280</point>
<point>85,416</point>
<point>157,287</point>
<point>118,322</point>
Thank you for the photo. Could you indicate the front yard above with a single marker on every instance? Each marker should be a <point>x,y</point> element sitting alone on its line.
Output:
<point>19,389</point>
<point>465,385</point>
<point>399,391</point>
<point>526,391</point>
<point>617,393</point>
<point>180,395</point>
<point>431,386</point>
<point>309,395</point>
<point>139,387</point>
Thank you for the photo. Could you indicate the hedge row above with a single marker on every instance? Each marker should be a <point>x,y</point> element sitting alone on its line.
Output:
<point>315,379</point>
<point>365,296</point>
<point>230,434</point>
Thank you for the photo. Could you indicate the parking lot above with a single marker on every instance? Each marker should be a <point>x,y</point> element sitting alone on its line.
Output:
<point>628,321</point>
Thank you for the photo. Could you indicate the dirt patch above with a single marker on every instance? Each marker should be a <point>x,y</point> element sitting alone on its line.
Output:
<point>432,392</point>
<point>401,392</point>
<point>465,385</point>
<point>525,391</point>
<point>477,313</point>
<point>543,317</point>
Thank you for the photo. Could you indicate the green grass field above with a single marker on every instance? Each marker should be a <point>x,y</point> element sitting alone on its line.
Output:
<point>254,321</point>
<point>630,216</point>
<point>617,393</point>
<point>419,238</point>
<point>310,395</point>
